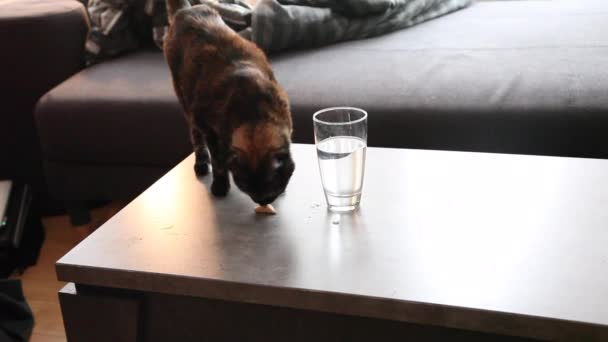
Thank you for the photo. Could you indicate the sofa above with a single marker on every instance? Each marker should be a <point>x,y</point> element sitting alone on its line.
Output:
<point>526,77</point>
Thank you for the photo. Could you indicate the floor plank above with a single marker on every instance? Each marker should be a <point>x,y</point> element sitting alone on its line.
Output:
<point>47,317</point>
<point>36,337</point>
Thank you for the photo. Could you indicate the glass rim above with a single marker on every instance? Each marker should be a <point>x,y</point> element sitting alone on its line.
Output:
<point>319,112</point>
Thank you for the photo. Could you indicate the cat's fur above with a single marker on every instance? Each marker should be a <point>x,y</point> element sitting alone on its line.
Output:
<point>235,108</point>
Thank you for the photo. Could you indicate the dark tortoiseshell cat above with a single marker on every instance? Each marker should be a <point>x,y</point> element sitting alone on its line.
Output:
<point>234,106</point>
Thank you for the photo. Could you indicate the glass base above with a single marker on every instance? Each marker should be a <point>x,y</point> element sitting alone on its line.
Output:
<point>343,203</point>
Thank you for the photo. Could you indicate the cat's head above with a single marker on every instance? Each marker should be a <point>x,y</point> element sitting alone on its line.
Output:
<point>260,160</point>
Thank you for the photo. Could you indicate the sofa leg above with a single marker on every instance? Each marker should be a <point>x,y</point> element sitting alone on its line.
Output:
<point>78,212</point>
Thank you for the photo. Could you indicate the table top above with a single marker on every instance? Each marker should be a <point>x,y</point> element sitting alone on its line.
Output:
<point>497,243</point>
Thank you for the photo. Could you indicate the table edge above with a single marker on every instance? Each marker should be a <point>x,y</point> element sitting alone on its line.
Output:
<point>480,320</point>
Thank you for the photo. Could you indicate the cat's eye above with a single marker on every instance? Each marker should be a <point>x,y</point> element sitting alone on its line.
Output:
<point>279,160</point>
<point>277,164</point>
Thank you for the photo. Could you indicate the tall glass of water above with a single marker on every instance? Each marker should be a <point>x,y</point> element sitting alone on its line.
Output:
<point>341,139</point>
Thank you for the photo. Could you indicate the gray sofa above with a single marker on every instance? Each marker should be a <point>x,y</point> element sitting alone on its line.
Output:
<point>526,77</point>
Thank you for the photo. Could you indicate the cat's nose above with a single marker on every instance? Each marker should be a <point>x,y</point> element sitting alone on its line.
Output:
<point>263,200</point>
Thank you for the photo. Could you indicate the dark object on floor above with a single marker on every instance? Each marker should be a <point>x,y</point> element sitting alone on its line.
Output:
<point>16,318</point>
<point>21,231</point>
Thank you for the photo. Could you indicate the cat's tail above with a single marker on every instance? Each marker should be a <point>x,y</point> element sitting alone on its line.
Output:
<point>175,5</point>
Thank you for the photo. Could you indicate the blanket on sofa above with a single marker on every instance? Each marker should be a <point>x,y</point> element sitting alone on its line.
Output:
<point>277,25</point>
<point>274,25</point>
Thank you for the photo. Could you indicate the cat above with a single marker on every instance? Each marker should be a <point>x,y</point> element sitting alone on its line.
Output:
<point>239,116</point>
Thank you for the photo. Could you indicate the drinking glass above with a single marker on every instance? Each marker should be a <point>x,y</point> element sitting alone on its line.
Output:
<point>341,141</point>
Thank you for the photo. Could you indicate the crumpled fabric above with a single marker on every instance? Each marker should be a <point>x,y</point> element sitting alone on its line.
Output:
<point>274,25</point>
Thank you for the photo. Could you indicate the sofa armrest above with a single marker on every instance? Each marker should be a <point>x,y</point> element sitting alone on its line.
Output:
<point>42,45</point>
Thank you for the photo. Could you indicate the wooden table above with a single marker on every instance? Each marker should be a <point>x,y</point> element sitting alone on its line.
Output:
<point>447,245</point>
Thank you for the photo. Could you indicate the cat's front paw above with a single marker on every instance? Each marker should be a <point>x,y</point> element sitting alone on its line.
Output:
<point>201,169</point>
<point>220,186</point>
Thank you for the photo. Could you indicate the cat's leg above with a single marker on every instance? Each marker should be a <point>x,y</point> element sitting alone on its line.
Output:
<point>219,155</point>
<point>201,165</point>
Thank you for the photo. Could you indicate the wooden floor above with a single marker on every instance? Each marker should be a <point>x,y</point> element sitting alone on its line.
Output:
<point>40,284</point>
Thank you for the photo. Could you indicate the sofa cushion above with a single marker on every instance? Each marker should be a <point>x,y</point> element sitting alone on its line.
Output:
<point>122,111</point>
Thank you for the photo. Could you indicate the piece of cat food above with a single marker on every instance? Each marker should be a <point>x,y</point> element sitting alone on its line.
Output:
<point>265,209</point>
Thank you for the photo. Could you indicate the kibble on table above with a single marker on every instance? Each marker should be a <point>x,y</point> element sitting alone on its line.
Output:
<point>265,209</point>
